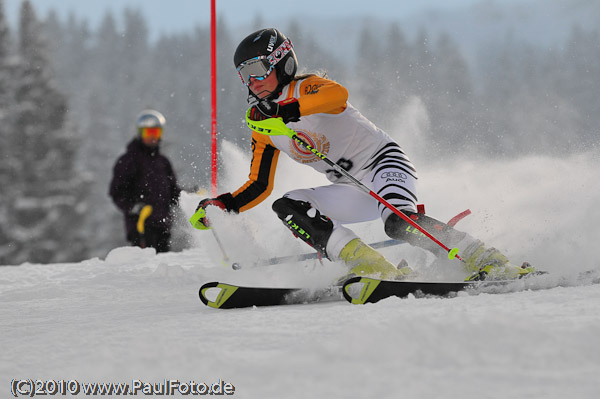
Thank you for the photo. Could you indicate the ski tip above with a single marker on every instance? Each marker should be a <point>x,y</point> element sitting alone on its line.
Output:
<point>358,290</point>
<point>203,289</point>
<point>348,286</point>
<point>223,293</point>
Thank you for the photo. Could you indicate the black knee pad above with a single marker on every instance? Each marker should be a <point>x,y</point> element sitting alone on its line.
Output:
<point>399,229</point>
<point>305,222</point>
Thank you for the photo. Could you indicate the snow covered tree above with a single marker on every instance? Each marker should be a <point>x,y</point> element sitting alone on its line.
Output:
<point>7,162</point>
<point>451,101</point>
<point>581,82</point>
<point>395,65</point>
<point>45,205</point>
<point>5,92</point>
<point>370,85</point>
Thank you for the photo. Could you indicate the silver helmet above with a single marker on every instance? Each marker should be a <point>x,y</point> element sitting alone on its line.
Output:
<point>150,118</point>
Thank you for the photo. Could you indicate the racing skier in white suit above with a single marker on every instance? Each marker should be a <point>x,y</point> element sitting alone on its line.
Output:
<point>318,110</point>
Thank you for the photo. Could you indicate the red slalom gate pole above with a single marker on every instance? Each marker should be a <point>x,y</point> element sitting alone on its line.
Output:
<point>213,76</point>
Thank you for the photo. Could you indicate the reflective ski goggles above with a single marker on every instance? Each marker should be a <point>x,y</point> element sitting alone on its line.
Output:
<point>257,68</point>
<point>260,67</point>
<point>151,133</point>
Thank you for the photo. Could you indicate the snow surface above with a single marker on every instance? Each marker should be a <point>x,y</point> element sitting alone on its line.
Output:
<point>135,315</point>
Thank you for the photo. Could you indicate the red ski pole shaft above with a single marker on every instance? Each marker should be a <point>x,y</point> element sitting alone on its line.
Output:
<point>451,252</point>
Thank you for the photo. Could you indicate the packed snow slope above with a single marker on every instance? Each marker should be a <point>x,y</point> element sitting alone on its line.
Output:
<point>135,315</point>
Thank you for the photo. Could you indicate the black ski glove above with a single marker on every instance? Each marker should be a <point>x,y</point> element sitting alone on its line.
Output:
<point>288,110</point>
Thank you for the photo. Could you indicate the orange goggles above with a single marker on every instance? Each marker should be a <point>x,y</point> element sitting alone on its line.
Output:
<point>151,132</point>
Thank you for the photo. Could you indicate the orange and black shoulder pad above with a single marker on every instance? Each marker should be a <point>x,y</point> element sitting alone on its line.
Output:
<point>320,95</point>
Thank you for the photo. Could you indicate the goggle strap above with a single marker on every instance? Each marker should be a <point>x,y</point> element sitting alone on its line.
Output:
<point>280,52</point>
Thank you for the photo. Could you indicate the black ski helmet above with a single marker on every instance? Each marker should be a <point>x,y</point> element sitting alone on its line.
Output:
<point>275,47</point>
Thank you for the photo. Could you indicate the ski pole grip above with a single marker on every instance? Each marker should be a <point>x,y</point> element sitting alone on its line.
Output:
<point>195,219</point>
<point>269,127</point>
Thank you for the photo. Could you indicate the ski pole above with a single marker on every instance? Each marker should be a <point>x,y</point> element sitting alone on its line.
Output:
<point>195,221</point>
<point>234,265</point>
<point>276,127</point>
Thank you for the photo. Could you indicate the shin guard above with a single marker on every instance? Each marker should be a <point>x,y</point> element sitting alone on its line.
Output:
<point>398,229</point>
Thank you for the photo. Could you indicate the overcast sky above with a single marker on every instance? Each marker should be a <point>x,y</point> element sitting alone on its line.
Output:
<point>167,16</point>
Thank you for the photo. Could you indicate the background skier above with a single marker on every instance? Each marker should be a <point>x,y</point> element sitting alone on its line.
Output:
<point>144,180</point>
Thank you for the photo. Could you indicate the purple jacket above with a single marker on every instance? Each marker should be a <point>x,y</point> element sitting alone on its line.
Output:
<point>143,175</point>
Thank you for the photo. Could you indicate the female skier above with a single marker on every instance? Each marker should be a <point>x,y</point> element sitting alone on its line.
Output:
<point>318,110</point>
